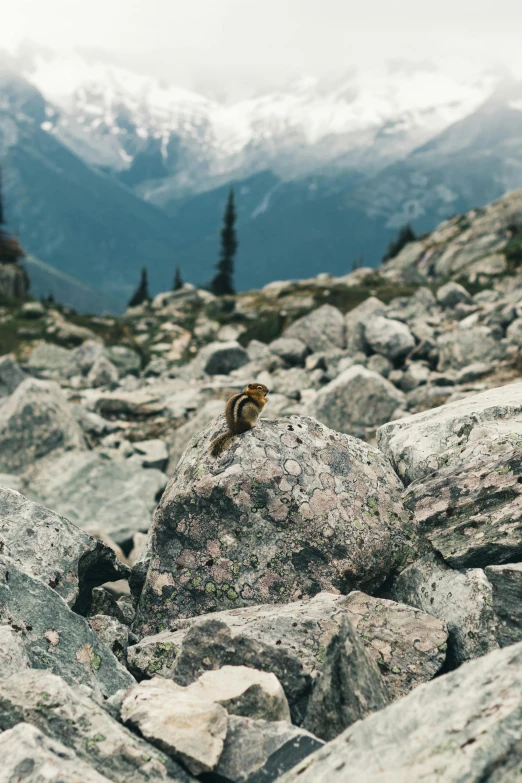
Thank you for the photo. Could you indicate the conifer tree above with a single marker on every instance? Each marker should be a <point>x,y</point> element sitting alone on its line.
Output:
<point>405,236</point>
<point>178,281</point>
<point>142,292</point>
<point>223,281</point>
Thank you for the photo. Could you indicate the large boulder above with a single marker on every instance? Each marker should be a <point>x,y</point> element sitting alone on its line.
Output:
<point>506,584</point>
<point>51,361</point>
<point>388,337</point>
<point>54,637</point>
<point>358,319</point>
<point>50,548</point>
<point>220,358</point>
<point>320,330</point>
<point>116,496</point>
<point>356,400</point>
<point>125,359</point>
<point>452,294</point>
<point>465,726</point>
<point>67,715</point>
<point>290,509</point>
<point>461,347</point>
<point>29,756</point>
<point>290,349</point>
<point>35,421</point>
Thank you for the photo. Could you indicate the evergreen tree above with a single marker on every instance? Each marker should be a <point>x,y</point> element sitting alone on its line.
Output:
<point>223,281</point>
<point>178,281</point>
<point>406,234</point>
<point>142,292</point>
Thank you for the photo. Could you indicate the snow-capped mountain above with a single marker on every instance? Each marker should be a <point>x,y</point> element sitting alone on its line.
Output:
<point>166,140</point>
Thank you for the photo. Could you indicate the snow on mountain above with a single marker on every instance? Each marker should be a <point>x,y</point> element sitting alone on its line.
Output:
<point>171,138</point>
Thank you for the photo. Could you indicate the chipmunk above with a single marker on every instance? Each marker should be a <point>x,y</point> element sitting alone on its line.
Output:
<point>242,413</point>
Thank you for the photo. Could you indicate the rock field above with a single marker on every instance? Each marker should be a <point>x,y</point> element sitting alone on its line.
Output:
<point>335,598</point>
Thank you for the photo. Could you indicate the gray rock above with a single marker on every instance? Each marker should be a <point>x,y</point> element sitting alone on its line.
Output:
<point>113,495</point>
<point>51,361</point>
<point>506,583</point>
<point>356,400</point>
<point>154,453</point>
<point>473,371</point>
<point>29,755</point>
<point>421,444</point>
<point>56,638</point>
<point>48,547</point>
<point>182,436</point>
<point>461,598</point>
<point>459,348</point>
<point>102,373</point>
<point>465,726</point>
<point>380,364</point>
<point>349,689</point>
<point>86,354</point>
<point>91,423</point>
<point>357,320</point>
<point>34,422</point>
<point>514,332</point>
<point>13,657</point>
<point>103,602</point>
<point>244,691</point>
<point>186,727</point>
<point>125,359</point>
<point>289,509</point>
<point>290,349</point>
<point>452,294</point>
<point>111,632</point>
<point>220,358</point>
<point>11,375</point>
<point>390,338</point>
<point>260,750</point>
<point>210,645</point>
<point>408,645</point>
<point>68,716</point>
<point>320,330</point>
<point>32,310</point>
<point>415,374</point>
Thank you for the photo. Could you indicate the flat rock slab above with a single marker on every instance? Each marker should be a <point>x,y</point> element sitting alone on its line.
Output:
<point>464,726</point>
<point>35,421</point>
<point>408,645</point>
<point>29,756</point>
<point>54,637</point>
<point>116,496</point>
<point>185,726</point>
<point>422,444</point>
<point>68,716</point>
<point>506,583</point>
<point>259,751</point>
<point>291,508</point>
<point>462,599</point>
<point>48,547</point>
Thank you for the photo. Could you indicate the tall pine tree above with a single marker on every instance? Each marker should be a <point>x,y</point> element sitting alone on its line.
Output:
<point>223,281</point>
<point>141,294</point>
<point>178,280</point>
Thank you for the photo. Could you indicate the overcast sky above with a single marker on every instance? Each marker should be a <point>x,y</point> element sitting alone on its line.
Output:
<point>258,42</point>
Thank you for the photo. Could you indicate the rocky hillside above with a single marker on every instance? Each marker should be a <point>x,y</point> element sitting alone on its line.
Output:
<point>340,590</point>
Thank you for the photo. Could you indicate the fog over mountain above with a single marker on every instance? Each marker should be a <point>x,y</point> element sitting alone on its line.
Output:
<point>108,167</point>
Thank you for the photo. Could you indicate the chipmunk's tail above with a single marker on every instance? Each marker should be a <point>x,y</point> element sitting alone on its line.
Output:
<point>219,444</point>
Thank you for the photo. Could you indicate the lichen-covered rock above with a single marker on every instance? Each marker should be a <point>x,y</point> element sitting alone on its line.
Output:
<point>464,726</point>
<point>462,599</point>
<point>320,330</point>
<point>388,337</point>
<point>261,750</point>
<point>113,495</point>
<point>11,375</point>
<point>506,583</point>
<point>34,422</point>
<point>349,688</point>
<point>51,549</point>
<point>408,645</point>
<point>356,400</point>
<point>29,756</point>
<point>54,637</point>
<point>111,632</point>
<point>178,722</point>
<point>422,444</point>
<point>13,657</point>
<point>290,509</point>
<point>68,716</point>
